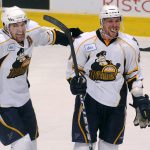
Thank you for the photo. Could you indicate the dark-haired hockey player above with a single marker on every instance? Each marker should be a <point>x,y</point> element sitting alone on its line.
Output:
<point>18,37</point>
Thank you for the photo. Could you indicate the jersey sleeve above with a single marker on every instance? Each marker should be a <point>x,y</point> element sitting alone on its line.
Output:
<point>3,48</point>
<point>50,36</point>
<point>133,72</point>
<point>42,35</point>
<point>45,36</point>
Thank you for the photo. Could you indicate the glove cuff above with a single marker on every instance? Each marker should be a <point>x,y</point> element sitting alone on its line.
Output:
<point>137,101</point>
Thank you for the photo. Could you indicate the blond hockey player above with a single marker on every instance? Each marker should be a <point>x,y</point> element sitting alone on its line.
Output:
<point>109,64</point>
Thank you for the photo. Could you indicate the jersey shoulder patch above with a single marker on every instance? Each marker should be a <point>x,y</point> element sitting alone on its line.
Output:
<point>86,39</point>
<point>90,47</point>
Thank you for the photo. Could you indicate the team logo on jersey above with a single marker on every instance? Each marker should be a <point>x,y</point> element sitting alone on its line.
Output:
<point>11,47</point>
<point>20,66</point>
<point>90,47</point>
<point>103,69</point>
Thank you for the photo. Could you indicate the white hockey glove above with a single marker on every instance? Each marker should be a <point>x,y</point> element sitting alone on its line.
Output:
<point>142,106</point>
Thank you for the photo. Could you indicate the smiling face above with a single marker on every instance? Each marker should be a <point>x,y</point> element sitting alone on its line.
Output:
<point>111,27</point>
<point>17,31</point>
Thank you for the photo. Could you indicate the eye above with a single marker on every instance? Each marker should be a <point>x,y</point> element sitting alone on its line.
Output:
<point>110,21</point>
<point>15,25</point>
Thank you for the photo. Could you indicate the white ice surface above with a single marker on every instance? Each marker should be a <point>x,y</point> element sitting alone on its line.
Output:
<point>54,104</point>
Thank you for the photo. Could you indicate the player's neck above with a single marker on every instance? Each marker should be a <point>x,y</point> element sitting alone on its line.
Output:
<point>105,36</point>
<point>21,43</point>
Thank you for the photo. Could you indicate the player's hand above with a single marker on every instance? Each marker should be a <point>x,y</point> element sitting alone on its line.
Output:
<point>142,106</point>
<point>78,85</point>
<point>75,32</point>
<point>140,120</point>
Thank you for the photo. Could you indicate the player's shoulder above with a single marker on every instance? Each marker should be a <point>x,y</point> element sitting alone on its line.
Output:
<point>3,37</point>
<point>85,37</point>
<point>125,36</point>
<point>129,40</point>
<point>32,25</point>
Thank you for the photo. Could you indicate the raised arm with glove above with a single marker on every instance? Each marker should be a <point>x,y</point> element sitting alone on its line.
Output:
<point>62,38</point>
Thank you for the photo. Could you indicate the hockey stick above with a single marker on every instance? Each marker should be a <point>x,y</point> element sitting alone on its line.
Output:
<point>68,34</point>
<point>145,49</point>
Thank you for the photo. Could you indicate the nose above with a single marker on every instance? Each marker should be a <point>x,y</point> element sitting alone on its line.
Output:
<point>114,24</point>
<point>20,29</point>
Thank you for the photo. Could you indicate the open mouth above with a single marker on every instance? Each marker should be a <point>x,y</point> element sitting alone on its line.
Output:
<point>114,30</point>
<point>20,35</point>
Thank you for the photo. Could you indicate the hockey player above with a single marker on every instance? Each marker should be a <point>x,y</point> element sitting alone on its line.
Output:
<point>108,62</point>
<point>18,37</point>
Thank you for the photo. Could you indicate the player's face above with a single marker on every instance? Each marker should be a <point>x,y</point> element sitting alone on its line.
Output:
<point>17,31</point>
<point>111,26</point>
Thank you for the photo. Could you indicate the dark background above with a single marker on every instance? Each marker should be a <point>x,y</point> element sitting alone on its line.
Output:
<point>33,4</point>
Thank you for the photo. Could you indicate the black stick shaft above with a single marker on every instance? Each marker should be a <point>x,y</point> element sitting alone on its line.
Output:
<point>68,33</point>
<point>147,49</point>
